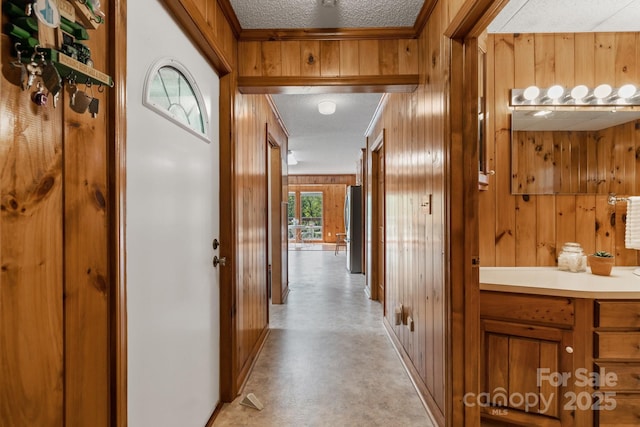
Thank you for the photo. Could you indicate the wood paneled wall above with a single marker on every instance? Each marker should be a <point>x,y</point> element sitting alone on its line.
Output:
<point>415,147</point>
<point>57,249</point>
<point>529,230</point>
<point>327,58</point>
<point>253,115</point>
<point>322,179</point>
<point>298,66</point>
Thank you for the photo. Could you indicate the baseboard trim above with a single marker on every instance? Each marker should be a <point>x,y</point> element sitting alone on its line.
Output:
<point>248,367</point>
<point>215,414</point>
<point>434,412</point>
<point>285,295</point>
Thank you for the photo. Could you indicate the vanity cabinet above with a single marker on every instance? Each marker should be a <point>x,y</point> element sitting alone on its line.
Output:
<point>529,354</point>
<point>616,350</point>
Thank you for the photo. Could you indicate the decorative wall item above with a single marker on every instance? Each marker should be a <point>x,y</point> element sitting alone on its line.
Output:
<point>48,38</point>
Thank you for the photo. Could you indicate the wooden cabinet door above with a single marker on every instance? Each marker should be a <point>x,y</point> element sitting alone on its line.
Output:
<point>522,368</point>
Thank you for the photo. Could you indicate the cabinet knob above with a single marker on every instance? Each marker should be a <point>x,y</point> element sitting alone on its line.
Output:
<point>568,349</point>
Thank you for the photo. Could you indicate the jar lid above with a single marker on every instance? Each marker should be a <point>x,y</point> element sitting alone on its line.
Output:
<point>572,244</point>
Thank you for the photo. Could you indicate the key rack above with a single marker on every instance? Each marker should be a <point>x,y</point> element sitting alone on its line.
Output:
<point>61,46</point>
<point>69,68</point>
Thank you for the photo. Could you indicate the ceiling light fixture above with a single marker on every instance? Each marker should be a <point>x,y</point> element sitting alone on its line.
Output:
<point>329,3</point>
<point>327,107</point>
<point>291,159</point>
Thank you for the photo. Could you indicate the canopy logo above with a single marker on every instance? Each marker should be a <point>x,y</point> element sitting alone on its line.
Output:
<point>499,400</point>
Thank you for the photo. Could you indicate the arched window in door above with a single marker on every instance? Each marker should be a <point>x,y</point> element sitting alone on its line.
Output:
<point>172,92</point>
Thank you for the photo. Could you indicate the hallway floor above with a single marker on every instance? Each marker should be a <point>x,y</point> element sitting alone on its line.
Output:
<point>327,360</point>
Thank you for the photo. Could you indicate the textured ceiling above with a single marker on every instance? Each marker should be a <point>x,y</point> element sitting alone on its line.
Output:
<point>326,144</point>
<point>572,16</point>
<point>264,14</point>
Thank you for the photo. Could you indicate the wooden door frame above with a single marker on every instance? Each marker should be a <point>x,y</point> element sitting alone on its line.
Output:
<point>376,221</point>
<point>462,209</point>
<point>274,211</point>
<point>117,212</point>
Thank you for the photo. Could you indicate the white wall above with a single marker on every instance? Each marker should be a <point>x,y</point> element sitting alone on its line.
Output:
<point>172,218</point>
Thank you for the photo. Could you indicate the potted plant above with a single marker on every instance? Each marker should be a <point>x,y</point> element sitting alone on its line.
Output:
<point>601,263</point>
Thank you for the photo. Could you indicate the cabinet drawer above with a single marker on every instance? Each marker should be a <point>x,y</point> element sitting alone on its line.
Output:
<point>625,414</point>
<point>617,314</point>
<point>527,308</point>
<point>618,377</point>
<point>617,345</point>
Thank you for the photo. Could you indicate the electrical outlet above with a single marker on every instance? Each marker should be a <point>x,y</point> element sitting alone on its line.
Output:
<point>398,315</point>
<point>410,323</point>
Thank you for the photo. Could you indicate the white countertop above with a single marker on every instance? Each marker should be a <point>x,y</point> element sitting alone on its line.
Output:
<point>550,281</point>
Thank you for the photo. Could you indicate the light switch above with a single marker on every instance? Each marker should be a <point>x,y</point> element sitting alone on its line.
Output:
<point>425,204</point>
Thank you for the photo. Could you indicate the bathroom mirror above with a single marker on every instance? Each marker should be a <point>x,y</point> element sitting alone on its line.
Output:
<point>579,151</point>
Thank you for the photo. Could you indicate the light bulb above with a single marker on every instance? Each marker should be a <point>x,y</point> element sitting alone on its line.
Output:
<point>531,93</point>
<point>555,92</point>
<point>602,91</point>
<point>579,92</point>
<point>627,91</point>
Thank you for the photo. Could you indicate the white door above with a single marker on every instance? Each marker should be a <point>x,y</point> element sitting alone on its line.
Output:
<point>172,218</point>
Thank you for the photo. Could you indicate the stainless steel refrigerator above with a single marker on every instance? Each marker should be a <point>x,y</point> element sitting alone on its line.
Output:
<point>354,228</point>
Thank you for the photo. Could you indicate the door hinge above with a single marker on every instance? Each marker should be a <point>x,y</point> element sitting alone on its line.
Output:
<point>475,261</point>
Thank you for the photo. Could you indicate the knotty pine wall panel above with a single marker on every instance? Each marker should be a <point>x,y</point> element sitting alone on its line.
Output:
<point>529,229</point>
<point>415,126</point>
<point>32,257</point>
<point>312,58</point>
<point>322,179</point>
<point>56,286</point>
<point>253,117</point>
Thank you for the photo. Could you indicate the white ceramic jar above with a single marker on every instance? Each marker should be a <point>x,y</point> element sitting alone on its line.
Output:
<point>572,258</point>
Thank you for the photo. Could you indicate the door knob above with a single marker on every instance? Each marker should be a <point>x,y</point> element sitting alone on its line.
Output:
<point>222,261</point>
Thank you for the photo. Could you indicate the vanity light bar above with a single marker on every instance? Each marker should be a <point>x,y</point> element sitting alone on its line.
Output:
<point>626,95</point>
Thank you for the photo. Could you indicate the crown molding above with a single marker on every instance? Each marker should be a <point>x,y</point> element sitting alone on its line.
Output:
<point>281,34</point>
<point>231,16</point>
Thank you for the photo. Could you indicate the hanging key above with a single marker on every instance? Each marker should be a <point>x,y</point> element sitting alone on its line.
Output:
<point>51,80</point>
<point>80,101</point>
<point>23,68</point>
<point>34,68</point>
<point>93,107</point>
<point>73,89</point>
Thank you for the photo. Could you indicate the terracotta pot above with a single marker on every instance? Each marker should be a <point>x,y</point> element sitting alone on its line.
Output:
<point>601,265</point>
